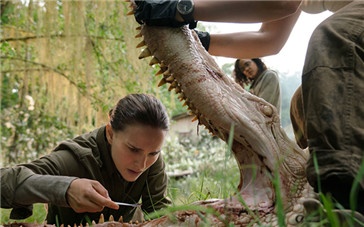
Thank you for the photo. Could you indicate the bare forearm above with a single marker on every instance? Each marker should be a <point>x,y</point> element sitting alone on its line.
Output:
<point>269,40</point>
<point>241,11</point>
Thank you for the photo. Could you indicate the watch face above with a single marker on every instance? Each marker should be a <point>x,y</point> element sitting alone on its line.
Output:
<point>185,7</point>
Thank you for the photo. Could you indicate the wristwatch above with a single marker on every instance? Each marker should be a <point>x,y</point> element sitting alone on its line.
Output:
<point>185,9</point>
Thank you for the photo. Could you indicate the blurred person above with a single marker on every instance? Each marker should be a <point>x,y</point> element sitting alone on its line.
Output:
<point>254,76</point>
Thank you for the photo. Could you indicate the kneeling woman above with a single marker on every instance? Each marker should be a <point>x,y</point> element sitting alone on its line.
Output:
<point>120,161</point>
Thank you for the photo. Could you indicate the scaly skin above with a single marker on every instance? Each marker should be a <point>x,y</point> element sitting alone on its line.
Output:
<point>261,147</point>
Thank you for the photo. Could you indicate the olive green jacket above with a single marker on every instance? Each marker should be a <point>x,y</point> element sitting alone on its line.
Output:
<point>47,179</point>
<point>266,86</point>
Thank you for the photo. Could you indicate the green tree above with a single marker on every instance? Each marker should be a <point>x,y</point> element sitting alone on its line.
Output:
<point>63,65</point>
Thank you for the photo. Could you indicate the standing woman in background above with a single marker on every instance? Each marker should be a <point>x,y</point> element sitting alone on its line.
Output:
<point>254,76</point>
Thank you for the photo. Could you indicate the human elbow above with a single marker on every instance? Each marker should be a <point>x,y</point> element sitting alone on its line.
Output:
<point>273,49</point>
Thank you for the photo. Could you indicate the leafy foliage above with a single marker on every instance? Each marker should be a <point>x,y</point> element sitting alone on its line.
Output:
<point>74,60</point>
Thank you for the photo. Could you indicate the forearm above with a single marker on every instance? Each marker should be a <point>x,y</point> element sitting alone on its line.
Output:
<point>269,40</point>
<point>43,189</point>
<point>240,11</point>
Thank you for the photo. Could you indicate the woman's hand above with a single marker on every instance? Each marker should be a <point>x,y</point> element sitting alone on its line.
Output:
<point>86,195</point>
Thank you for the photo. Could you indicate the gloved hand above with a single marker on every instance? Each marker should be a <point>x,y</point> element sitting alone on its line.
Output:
<point>204,38</point>
<point>157,13</point>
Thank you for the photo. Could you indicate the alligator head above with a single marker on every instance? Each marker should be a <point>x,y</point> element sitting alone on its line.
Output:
<point>272,167</point>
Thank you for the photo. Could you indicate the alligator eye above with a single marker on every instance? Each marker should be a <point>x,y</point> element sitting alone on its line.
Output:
<point>299,218</point>
<point>268,111</point>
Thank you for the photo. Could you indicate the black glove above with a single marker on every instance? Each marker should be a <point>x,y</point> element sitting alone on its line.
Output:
<point>204,38</point>
<point>157,13</point>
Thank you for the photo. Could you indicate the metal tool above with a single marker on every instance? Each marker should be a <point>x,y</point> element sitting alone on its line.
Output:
<point>128,204</point>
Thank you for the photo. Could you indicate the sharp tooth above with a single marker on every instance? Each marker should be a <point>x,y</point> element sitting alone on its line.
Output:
<point>170,78</point>
<point>130,13</point>
<point>138,35</point>
<point>145,53</point>
<point>167,73</point>
<point>111,218</point>
<point>174,84</point>
<point>195,118</point>
<point>141,44</point>
<point>162,82</point>
<point>101,220</point>
<point>178,90</point>
<point>138,28</point>
<point>161,71</point>
<point>121,219</point>
<point>154,61</point>
<point>181,97</point>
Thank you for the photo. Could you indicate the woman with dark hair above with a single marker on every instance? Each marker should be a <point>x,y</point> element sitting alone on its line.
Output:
<point>254,76</point>
<point>120,161</point>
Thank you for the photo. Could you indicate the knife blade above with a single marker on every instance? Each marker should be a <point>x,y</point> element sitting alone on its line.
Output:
<point>128,204</point>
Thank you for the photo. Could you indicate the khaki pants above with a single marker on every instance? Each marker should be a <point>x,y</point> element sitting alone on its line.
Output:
<point>333,103</point>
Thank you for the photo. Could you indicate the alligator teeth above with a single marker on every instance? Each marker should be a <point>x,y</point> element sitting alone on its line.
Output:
<point>167,73</point>
<point>138,35</point>
<point>120,219</point>
<point>195,118</point>
<point>162,82</point>
<point>138,28</point>
<point>161,71</point>
<point>170,78</point>
<point>154,61</point>
<point>141,44</point>
<point>130,13</point>
<point>102,219</point>
<point>181,97</point>
<point>174,84</point>
<point>111,218</point>
<point>145,53</point>
<point>178,90</point>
